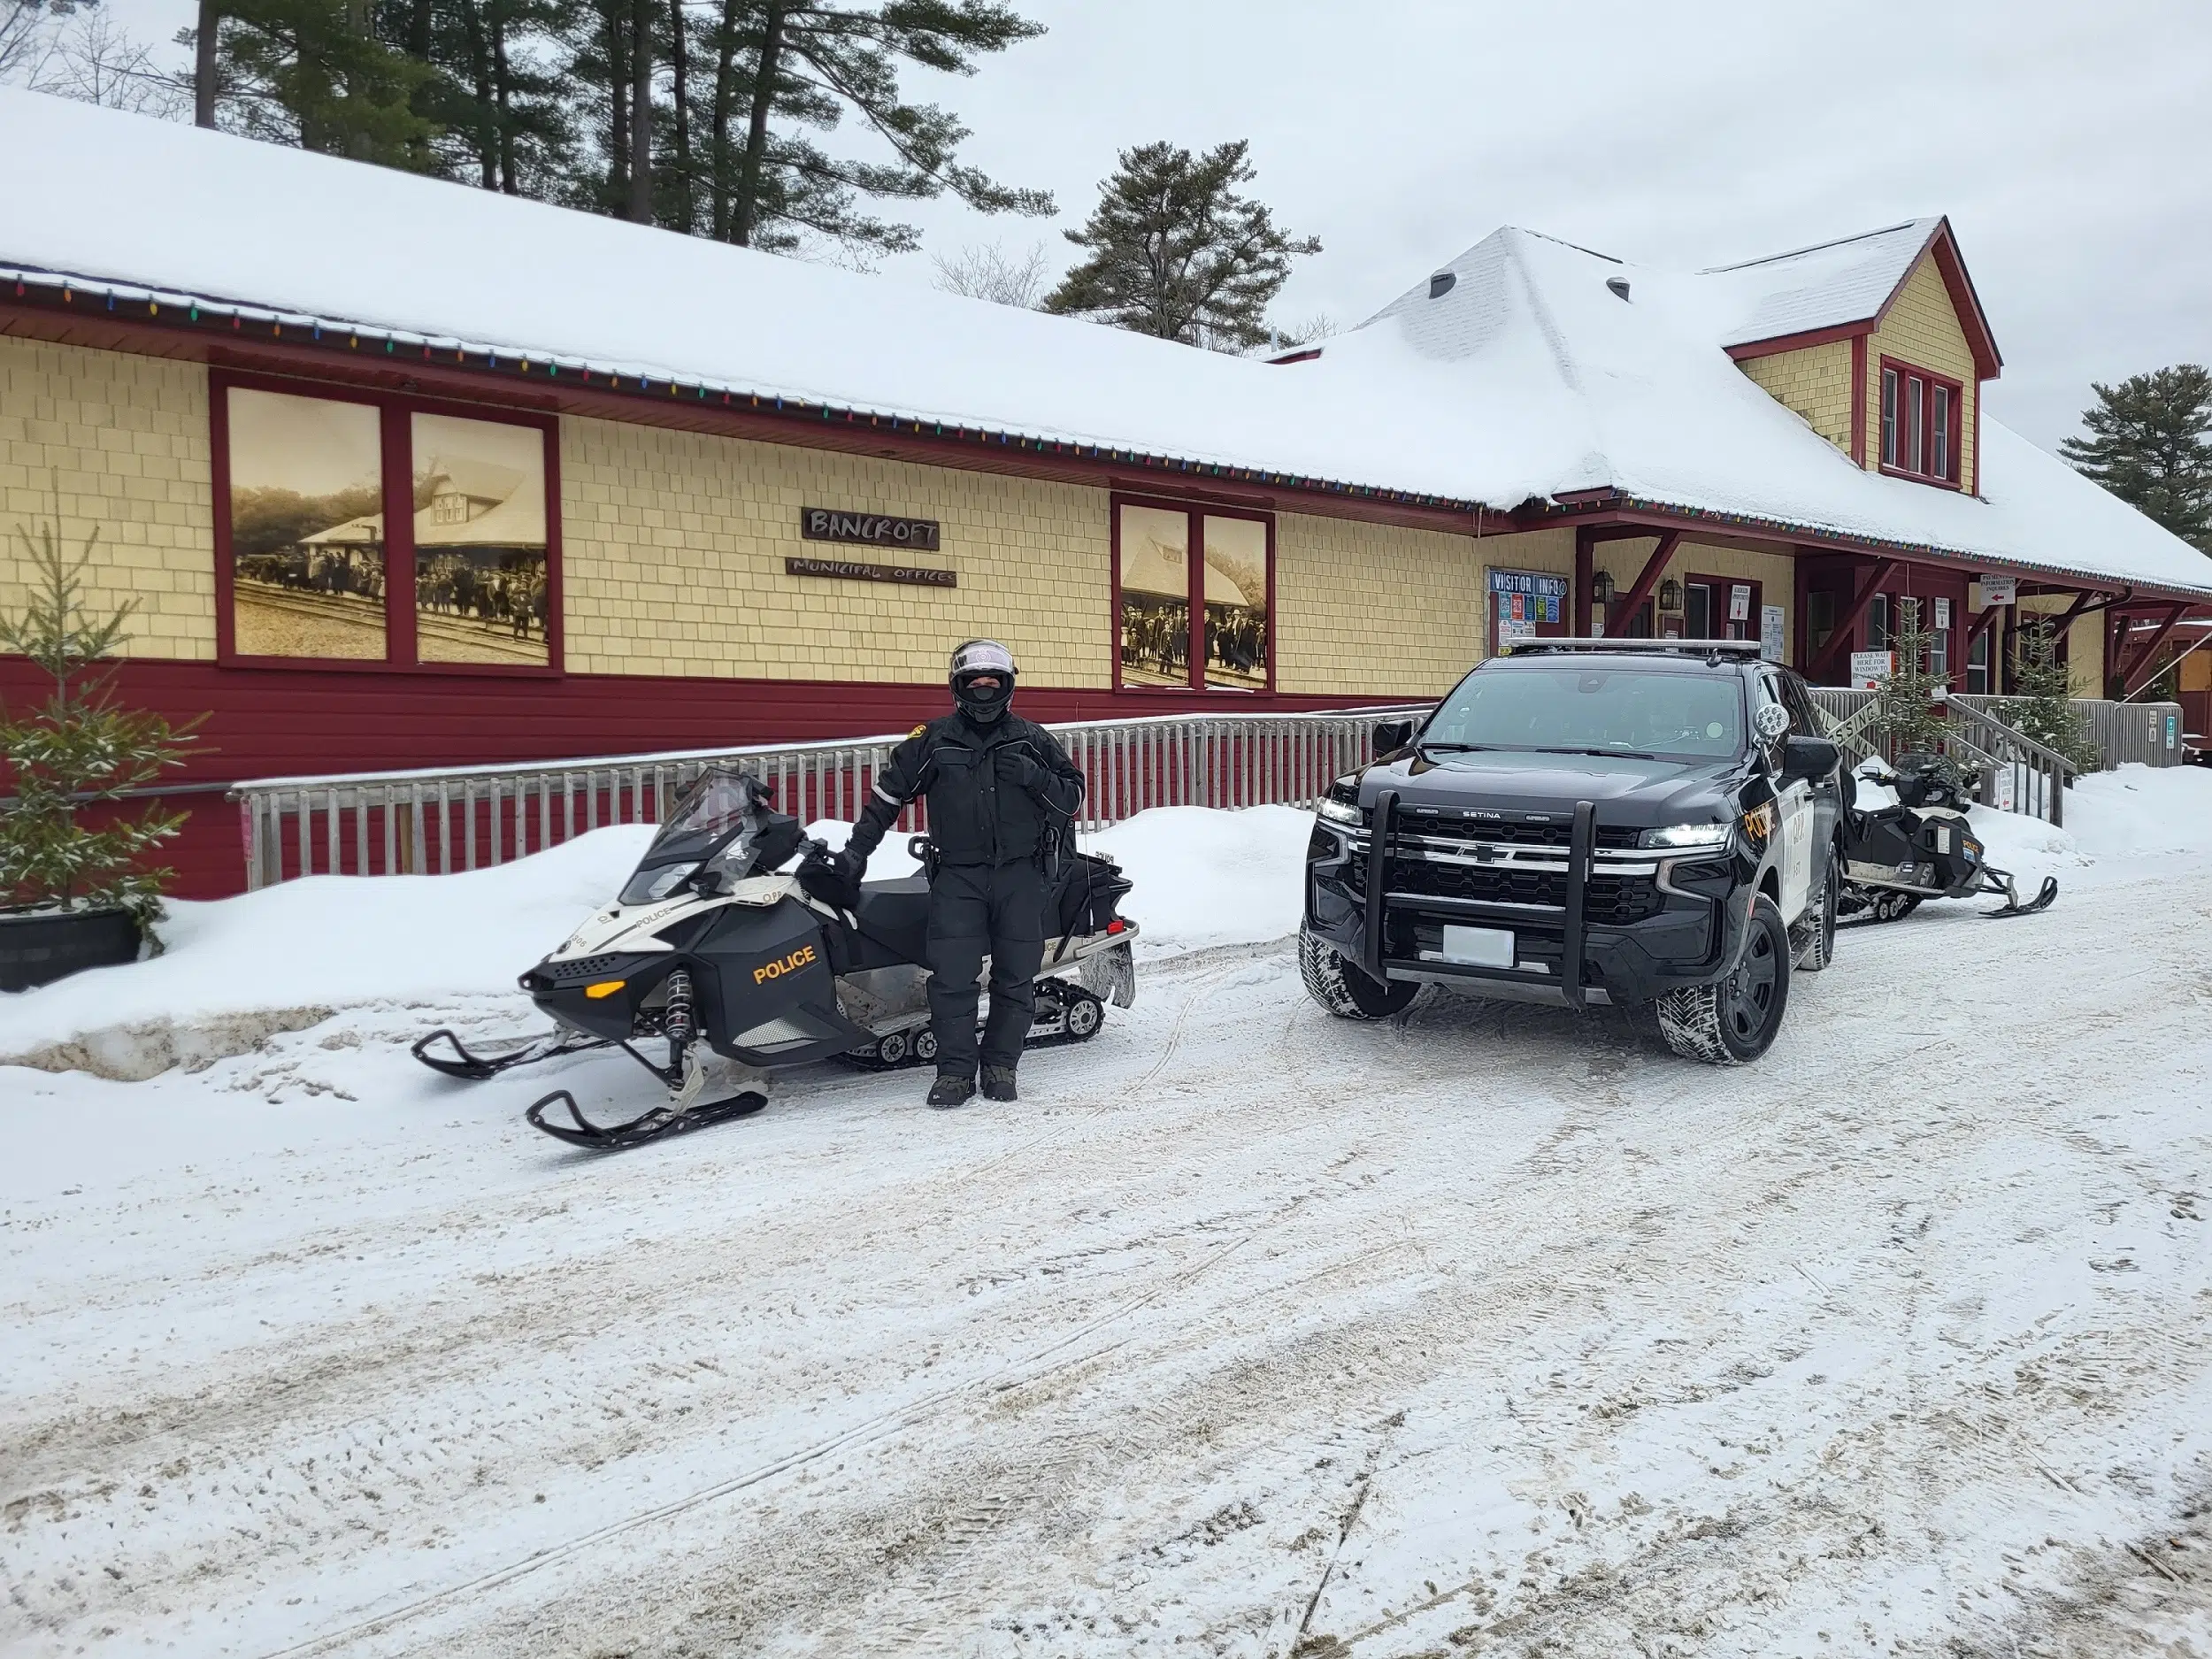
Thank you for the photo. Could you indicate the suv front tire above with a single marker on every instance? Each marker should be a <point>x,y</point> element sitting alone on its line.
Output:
<point>1344,990</point>
<point>1734,1019</point>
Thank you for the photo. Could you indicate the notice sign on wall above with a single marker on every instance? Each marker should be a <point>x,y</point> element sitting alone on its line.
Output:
<point>1770,633</point>
<point>1740,602</point>
<point>1529,596</point>
<point>1999,590</point>
<point>868,529</point>
<point>1869,669</point>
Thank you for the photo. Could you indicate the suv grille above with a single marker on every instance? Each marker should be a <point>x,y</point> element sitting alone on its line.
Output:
<point>1616,836</point>
<point>1610,900</point>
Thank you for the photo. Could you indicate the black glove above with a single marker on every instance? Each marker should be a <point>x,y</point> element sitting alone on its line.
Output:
<point>834,878</point>
<point>1019,767</point>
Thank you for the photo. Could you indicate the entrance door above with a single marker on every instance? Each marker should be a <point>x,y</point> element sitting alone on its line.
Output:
<point>1720,608</point>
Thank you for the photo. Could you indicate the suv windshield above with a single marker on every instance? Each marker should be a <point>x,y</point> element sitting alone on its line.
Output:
<point>1579,707</point>
<point>719,802</point>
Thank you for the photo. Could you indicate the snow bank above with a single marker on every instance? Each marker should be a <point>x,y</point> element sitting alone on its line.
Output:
<point>239,971</point>
<point>2139,810</point>
<point>1205,878</point>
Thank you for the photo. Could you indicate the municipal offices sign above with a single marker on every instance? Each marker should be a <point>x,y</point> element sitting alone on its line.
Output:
<point>854,571</point>
<point>869,529</point>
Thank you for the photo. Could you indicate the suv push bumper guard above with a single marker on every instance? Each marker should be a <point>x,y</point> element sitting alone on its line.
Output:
<point>1574,955</point>
<point>1569,985</point>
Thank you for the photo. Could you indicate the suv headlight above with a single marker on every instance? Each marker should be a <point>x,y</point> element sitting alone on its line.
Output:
<point>1337,811</point>
<point>1686,836</point>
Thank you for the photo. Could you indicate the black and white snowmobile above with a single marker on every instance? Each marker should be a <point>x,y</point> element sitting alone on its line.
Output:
<point>1921,848</point>
<point>709,950</point>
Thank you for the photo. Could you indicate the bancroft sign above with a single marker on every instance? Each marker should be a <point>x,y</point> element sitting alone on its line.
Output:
<point>869,529</point>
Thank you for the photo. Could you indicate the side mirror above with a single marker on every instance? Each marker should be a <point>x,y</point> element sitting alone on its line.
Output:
<point>1392,735</point>
<point>1808,758</point>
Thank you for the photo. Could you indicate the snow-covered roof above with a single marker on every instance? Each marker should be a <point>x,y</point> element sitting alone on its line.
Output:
<point>1829,286</point>
<point>1528,379</point>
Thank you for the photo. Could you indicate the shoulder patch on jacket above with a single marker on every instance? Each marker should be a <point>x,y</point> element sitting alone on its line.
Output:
<point>915,732</point>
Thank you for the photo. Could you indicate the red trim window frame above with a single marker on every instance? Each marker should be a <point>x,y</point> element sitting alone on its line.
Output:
<point>1922,423</point>
<point>1195,513</point>
<point>395,413</point>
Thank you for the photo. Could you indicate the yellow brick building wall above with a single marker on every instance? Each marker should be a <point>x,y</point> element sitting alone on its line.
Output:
<point>1815,381</point>
<point>673,546</point>
<point>1922,329</point>
<point>1776,574</point>
<point>1365,608</point>
<point>2085,640</point>
<point>117,443</point>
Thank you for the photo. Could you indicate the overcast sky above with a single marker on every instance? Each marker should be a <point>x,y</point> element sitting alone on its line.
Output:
<point>2067,140</point>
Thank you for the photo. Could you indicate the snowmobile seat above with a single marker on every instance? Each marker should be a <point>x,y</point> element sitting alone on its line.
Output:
<point>894,918</point>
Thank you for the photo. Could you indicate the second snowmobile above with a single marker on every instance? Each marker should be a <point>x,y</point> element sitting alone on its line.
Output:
<point>1921,848</point>
<point>710,951</point>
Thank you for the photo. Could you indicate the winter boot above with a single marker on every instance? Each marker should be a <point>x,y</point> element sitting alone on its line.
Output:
<point>998,1083</point>
<point>952,1090</point>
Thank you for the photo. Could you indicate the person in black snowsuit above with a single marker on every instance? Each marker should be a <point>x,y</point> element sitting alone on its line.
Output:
<point>1002,794</point>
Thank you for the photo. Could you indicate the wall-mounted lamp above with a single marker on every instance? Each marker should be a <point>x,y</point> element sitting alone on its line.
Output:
<point>1602,587</point>
<point>1670,594</point>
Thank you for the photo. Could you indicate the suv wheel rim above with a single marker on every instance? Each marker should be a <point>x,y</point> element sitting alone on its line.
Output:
<point>1751,988</point>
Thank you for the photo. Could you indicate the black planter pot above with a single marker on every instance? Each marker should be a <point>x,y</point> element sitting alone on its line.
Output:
<point>39,947</point>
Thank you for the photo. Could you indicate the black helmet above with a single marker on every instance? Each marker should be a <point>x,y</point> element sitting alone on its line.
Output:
<point>973,661</point>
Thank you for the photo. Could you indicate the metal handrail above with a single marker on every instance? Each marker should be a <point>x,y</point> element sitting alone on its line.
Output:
<point>2012,769</point>
<point>2038,774</point>
<point>440,820</point>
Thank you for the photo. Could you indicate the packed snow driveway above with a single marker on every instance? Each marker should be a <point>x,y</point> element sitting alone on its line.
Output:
<point>1492,1331</point>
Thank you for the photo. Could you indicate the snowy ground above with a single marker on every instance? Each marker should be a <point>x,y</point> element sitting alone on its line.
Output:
<point>1492,1332</point>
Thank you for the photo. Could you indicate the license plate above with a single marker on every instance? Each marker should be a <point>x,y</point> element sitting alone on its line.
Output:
<point>1478,947</point>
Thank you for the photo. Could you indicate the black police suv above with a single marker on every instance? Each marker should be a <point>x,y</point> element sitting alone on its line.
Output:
<point>1614,821</point>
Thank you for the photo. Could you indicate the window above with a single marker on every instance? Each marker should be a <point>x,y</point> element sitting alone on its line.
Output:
<point>306,527</point>
<point>1805,720</point>
<point>1536,703</point>
<point>1820,620</point>
<point>335,503</point>
<point>479,541</point>
<point>1921,414</point>
<point>1878,623</point>
<point>1977,665</point>
<point>1196,588</point>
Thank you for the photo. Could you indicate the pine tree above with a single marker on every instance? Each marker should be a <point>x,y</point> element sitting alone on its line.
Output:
<point>495,94</point>
<point>2042,706</point>
<point>1904,700</point>
<point>314,74</point>
<point>2150,445</point>
<point>79,748</point>
<point>1177,252</point>
<point>763,75</point>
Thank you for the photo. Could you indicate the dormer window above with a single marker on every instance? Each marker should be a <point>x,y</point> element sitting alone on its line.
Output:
<point>1920,424</point>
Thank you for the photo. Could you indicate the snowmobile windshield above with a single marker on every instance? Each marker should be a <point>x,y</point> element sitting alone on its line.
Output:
<point>1578,708</point>
<point>716,822</point>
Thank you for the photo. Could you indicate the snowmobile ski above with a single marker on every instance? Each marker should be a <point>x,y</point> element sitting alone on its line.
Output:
<point>472,1067</point>
<point>2012,906</point>
<point>656,1125</point>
